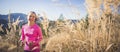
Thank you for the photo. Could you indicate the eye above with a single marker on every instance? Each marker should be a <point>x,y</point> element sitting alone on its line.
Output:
<point>32,16</point>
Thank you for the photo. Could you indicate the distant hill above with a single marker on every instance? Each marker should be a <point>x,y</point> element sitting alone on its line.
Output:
<point>13,17</point>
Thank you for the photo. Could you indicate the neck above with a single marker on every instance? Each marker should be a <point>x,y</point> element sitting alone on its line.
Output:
<point>31,23</point>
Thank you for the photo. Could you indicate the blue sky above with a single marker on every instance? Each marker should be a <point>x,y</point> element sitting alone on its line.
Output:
<point>52,8</point>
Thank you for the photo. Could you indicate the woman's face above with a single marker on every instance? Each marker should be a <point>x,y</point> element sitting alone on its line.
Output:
<point>31,17</point>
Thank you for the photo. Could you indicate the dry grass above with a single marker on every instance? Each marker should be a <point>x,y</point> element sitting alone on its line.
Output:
<point>102,34</point>
<point>99,37</point>
<point>9,42</point>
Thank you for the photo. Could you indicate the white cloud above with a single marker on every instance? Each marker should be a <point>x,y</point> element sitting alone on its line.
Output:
<point>54,0</point>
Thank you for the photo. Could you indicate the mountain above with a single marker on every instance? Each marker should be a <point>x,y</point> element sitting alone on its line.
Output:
<point>13,17</point>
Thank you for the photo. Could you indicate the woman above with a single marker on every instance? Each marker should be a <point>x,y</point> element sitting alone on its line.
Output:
<point>31,34</point>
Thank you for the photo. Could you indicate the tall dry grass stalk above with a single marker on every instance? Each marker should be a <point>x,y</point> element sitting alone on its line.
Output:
<point>45,23</point>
